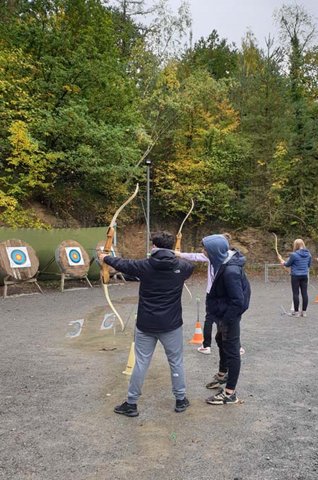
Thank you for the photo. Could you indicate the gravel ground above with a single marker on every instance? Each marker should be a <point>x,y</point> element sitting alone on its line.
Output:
<point>58,392</point>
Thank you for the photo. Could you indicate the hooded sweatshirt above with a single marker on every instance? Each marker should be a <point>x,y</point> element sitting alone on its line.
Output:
<point>227,297</point>
<point>299,261</point>
<point>162,276</point>
<point>217,248</point>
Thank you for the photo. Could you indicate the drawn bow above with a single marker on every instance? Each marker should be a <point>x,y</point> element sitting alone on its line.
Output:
<point>179,237</point>
<point>107,249</point>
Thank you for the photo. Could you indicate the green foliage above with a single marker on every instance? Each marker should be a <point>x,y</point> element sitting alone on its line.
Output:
<point>215,55</point>
<point>88,91</point>
<point>203,154</point>
<point>80,106</point>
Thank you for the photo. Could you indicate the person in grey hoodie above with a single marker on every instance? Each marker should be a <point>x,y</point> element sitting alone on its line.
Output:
<point>227,300</point>
<point>299,262</point>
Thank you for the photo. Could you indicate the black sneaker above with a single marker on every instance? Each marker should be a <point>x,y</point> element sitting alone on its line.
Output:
<point>182,405</point>
<point>223,398</point>
<point>217,381</point>
<point>128,409</point>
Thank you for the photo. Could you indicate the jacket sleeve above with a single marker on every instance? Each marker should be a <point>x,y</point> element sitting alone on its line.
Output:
<point>187,268</point>
<point>130,267</point>
<point>290,261</point>
<point>234,292</point>
<point>194,257</point>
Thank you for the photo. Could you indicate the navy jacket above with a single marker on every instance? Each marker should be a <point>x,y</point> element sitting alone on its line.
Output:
<point>162,276</point>
<point>299,261</point>
<point>227,299</point>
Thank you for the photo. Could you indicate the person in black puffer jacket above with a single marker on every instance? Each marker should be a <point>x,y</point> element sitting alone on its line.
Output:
<point>228,299</point>
<point>159,316</point>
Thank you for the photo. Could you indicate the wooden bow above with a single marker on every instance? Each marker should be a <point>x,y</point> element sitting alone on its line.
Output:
<point>107,249</point>
<point>179,237</point>
<point>179,234</point>
<point>280,258</point>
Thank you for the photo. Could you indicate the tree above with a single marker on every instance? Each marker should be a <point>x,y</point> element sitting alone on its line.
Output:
<point>25,169</point>
<point>201,155</point>
<point>298,31</point>
<point>87,106</point>
<point>259,95</point>
<point>213,54</point>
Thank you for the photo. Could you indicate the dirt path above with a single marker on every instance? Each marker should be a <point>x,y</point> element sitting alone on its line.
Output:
<point>57,395</point>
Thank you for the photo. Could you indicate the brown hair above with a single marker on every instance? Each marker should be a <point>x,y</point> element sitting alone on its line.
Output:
<point>298,244</point>
<point>163,239</point>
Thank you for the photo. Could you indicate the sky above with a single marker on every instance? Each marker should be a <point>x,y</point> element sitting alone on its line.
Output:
<point>232,18</point>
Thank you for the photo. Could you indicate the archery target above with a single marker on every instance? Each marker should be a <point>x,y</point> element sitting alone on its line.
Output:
<point>18,257</point>
<point>18,260</point>
<point>74,256</point>
<point>72,259</point>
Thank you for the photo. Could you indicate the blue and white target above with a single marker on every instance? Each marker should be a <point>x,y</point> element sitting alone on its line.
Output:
<point>18,257</point>
<point>74,256</point>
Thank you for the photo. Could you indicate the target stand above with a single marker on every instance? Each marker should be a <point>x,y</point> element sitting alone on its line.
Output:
<point>73,262</point>
<point>19,264</point>
<point>112,272</point>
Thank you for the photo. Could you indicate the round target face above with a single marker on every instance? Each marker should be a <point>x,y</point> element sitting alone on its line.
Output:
<point>75,256</point>
<point>18,257</point>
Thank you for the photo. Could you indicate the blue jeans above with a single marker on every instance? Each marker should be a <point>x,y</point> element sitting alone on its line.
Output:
<point>145,344</point>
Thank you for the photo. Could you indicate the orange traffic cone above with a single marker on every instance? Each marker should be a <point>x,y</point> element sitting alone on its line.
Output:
<point>198,335</point>
<point>316,299</point>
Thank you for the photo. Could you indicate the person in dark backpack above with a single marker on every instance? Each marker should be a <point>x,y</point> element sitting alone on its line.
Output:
<point>228,299</point>
<point>159,316</point>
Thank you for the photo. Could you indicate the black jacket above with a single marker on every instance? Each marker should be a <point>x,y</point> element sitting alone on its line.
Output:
<point>228,297</point>
<point>162,276</point>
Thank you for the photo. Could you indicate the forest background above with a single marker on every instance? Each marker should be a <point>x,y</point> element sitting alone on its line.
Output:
<point>90,89</point>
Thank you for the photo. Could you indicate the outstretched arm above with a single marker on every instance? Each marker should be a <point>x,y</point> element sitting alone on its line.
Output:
<point>193,257</point>
<point>130,267</point>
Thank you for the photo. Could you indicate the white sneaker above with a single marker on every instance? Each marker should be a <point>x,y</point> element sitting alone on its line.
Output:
<point>303,314</point>
<point>205,350</point>
<point>296,314</point>
<point>242,351</point>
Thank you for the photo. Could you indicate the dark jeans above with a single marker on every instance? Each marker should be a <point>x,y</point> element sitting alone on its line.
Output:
<point>300,283</point>
<point>208,324</point>
<point>228,341</point>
